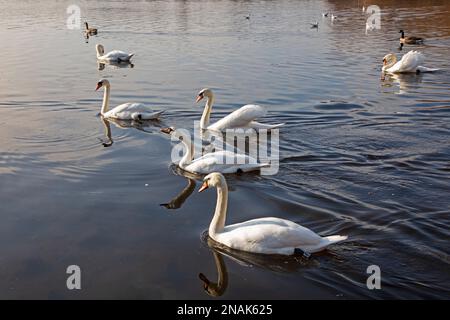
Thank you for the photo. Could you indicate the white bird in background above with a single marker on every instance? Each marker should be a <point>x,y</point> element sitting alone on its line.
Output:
<point>324,14</point>
<point>247,16</point>
<point>112,56</point>
<point>126,111</point>
<point>333,17</point>
<point>363,9</point>
<point>263,235</point>
<point>315,25</point>
<point>410,62</point>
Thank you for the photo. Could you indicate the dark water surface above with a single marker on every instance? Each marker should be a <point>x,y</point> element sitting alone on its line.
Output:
<point>359,155</point>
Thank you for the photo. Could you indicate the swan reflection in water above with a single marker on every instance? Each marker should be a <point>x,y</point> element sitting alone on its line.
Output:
<point>108,142</point>
<point>117,65</point>
<point>275,263</point>
<point>178,201</point>
<point>406,82</point>
<point>140,125</point>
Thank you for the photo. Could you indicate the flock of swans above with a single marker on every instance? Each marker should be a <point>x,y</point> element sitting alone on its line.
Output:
<point>270,235</point>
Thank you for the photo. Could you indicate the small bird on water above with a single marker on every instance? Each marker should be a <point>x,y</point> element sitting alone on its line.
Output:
<point>90,31</point>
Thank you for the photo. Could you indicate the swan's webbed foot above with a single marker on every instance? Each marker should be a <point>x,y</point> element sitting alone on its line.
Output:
<point>300,252</point>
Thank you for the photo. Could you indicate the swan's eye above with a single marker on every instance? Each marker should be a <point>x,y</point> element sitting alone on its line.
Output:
<point>100,84</point>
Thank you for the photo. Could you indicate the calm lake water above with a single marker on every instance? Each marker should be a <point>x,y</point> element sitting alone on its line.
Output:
<point>359,155</point>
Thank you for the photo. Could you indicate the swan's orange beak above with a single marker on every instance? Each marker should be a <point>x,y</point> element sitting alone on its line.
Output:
<point>99,85</point>
<point>203,187</point>
<point>199,98</point>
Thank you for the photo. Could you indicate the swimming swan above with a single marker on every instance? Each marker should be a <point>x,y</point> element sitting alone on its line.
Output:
<point>112,56</point>
<point>263,235</point>
<point>126,111</point>
<point>410,62</point>
<point>244,117</point>
<point>221,161</point>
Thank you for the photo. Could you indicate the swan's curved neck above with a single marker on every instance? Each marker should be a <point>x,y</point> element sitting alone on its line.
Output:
<point>106,94</point>
<point>218,289</point>
<point>218,221</point>
<point>187,157</point>
<point>222,274</point>
<point>204,121</point>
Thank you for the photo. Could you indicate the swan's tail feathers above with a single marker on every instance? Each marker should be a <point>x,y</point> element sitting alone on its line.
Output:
<point>130,56</point>
<point>147,115</point>
<point>425,69</point>
<point>253,167</point>
<point>258,125</point>
<point>153,115</point>
<point>335,239</point>
<point>265,165</point>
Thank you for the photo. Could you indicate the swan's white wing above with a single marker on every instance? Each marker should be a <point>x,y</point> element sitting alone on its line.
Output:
<point>205,164</point>
<point>129,111</point>
<point>224,162</point>
<point>239,118</point>
<point>268,235</point>
<point>116,55</point>
<point>410,62</point>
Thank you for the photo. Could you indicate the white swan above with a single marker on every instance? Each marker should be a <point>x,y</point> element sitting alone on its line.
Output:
<point>126,111</point>
<point>263,235</point>
<point>244,117</point>
<point>220,161</point>
<point>410,62</point>
<point>112,56</point>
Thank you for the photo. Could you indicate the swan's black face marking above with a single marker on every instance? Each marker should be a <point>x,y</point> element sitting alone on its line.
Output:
<point>99,85</point>
<point>200,96</point>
